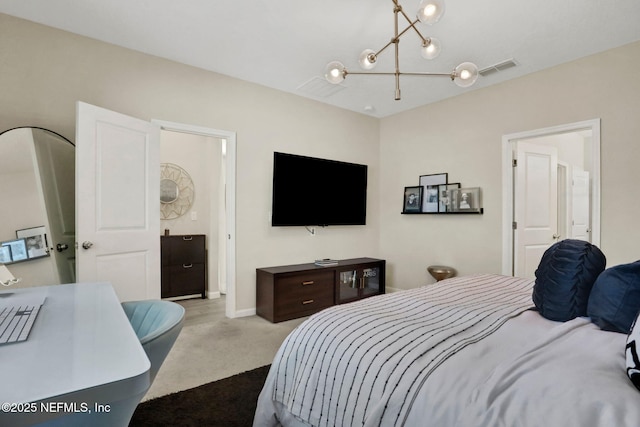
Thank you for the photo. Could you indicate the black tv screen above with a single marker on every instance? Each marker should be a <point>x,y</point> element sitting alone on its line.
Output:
<point>310,191</point>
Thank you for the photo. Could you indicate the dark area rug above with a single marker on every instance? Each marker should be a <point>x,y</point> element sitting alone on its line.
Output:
<point>230,402</point>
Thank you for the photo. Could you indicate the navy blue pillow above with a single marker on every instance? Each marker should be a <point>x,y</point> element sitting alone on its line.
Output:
<point>564,278</point>
<point>615,298</point>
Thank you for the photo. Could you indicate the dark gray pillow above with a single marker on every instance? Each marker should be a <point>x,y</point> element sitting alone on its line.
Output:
<point>615,298</point>
<point>564,278</point>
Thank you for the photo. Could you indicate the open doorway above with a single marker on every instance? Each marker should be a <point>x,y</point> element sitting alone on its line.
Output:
<point>220,148</point>
<point>551,191</point>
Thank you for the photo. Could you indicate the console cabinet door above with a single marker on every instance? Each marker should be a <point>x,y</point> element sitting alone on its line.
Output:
<point>359,282</point>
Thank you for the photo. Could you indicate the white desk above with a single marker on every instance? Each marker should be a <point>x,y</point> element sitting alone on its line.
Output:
<point>81,350</point>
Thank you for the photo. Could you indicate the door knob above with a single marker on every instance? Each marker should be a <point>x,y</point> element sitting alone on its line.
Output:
<point>556,237</point>
<point>86,244</point>
<point>61,247</point>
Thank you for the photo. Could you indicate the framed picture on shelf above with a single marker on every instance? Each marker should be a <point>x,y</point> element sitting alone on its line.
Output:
<point>18,249</point>
<point>444,196</point>
<point>36,241</point>
<point>466,199</point>
<point>412,199</point>
<point>430,184</point>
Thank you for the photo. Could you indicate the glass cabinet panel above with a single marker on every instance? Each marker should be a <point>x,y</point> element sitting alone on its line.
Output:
<point>370,281</point>
<point>348,285</point>
<point>358,283</point>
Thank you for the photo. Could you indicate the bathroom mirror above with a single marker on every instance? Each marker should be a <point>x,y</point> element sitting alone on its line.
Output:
<point>37,181</point>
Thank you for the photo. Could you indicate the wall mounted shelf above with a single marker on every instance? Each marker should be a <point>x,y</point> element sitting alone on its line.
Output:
<point>435,195</point>
<point>476,212</point>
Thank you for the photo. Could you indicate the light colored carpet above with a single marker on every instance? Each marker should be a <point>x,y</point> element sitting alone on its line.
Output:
<point>211,347</point>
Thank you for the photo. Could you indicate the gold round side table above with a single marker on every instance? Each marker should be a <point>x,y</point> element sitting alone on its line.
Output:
<point>441,272</point>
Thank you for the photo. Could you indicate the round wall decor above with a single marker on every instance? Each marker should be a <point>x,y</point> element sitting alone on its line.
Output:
<point>176,191</point>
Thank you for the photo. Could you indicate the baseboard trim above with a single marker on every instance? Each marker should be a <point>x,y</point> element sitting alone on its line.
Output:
<point>245,313</point>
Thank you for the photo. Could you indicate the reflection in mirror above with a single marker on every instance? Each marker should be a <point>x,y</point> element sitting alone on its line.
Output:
<point>168,191</point>
<point>37,181</point>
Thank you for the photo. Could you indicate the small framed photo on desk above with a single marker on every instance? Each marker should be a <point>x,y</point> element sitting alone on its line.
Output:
<point>5,254</point>
<point>36,240</point>
<point>18,249</point>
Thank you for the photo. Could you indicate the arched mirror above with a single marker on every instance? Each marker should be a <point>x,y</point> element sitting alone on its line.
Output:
<point>37,181</point>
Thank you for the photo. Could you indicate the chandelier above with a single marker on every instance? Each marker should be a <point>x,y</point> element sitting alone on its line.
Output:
<point>429,12</point>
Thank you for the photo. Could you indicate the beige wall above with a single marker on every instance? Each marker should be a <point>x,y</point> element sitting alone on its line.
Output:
<point>463,136</point>
<point>43,72</point>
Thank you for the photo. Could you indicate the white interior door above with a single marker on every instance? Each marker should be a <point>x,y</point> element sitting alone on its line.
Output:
<point>580,202</point>
<point>564,199</point>
<point>57,183</point>
<point>118,202</point>
<point>536,200</point>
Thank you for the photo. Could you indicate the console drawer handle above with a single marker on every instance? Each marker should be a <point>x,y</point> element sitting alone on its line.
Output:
<point>187,238</point>
<point>308,282</point>
<point>309,301</point>
<point>187,265</point>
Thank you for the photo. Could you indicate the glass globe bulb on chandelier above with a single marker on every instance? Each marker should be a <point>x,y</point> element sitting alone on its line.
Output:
<point>429,12</point>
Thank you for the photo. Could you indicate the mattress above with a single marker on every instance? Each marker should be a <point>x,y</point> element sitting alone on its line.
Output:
<point>529,371</point>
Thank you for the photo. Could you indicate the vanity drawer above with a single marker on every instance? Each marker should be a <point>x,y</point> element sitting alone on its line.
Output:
<point>291,295</point>
<point>303,295</point>
<point>304,284</point>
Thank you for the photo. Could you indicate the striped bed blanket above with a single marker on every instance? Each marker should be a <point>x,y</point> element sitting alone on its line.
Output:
<point>363,363</point>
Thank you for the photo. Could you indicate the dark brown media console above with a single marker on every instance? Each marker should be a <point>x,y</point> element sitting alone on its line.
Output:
<point>291,291</point>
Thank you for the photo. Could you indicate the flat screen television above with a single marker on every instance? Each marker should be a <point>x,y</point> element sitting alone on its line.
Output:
<point>308,191</point>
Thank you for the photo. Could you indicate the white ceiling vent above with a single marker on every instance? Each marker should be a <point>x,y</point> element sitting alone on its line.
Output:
<point>501,66</point>
<point>319,87</point>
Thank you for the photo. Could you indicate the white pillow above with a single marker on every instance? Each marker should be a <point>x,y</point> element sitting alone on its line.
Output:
<point>632,352</point>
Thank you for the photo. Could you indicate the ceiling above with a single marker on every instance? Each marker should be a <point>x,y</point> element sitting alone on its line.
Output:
<point>286,44</point>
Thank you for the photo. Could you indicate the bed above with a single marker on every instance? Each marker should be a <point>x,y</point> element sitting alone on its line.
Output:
<point>468,351</point>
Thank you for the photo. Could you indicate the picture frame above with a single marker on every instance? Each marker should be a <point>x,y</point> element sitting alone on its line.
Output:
<point>466,199</point>
<point>36,241</point>
<point>18,249</point>
<point>444,196</point>
<point>5,254</point>
<point>412,199</point>
<point>430,184</point>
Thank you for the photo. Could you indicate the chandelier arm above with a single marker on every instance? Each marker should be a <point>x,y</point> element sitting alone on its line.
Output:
<point>390,73</point>
<point>400,34</point>
<point>396,49</point>
<point>451,75</point>
<point>412,24</point>
<point>385,46</point>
